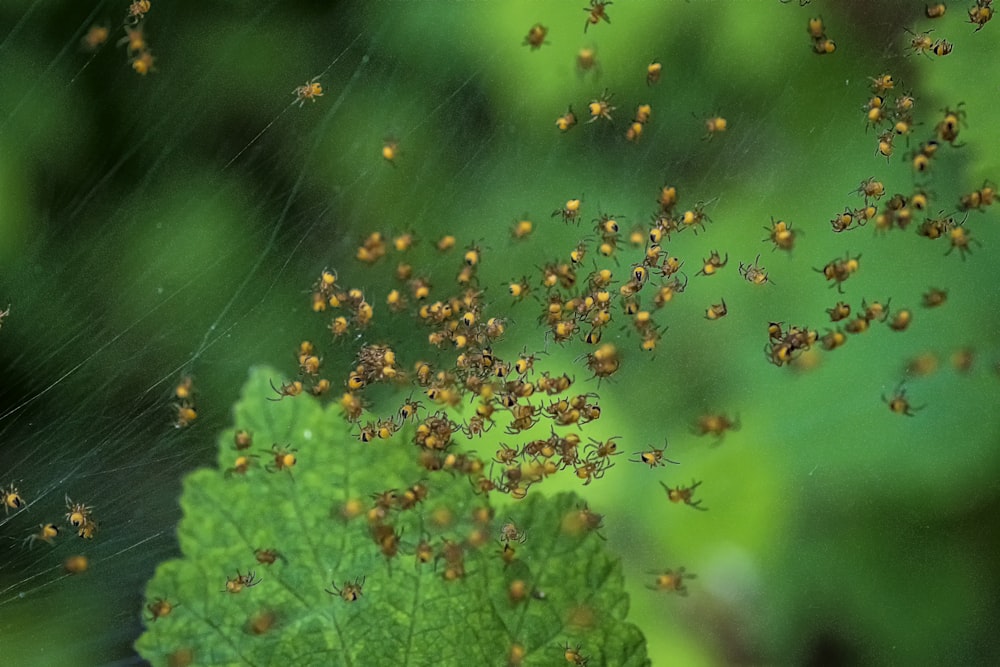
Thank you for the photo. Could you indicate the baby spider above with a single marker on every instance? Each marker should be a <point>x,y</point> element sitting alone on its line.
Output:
<point>95,38</point>
<point>78,514</point>
<point>293,388</point>
<point>564,123</point>
<point>390,151</point>
<point>870,189</point>
<point>601,107</point>
<point>653,457</point>
<point>87,530</point>
<point>603,449</point>
<point>935,11</point>
<point>574,655</point>
<point>979,15</point>
<point>921,44</point>
<point>268,556</point>
<point>284,458</point>
<point>570,212</point>
<point>781,235</point>
<point>589,470</point>
<point>960,239</point>
<point>350,592</point>
<point>583,520</point>
<point>242,439</point>
<point>935,297</point>
<point>240,581</point>
<point>159,608</point>
<point>77,564</point>
<point>185,390</point>
<point>839,270</point>
<point>684,494</point>
<point>754,273</point>
<point>185,414</point>
<point>143,63</point>
<point>46,533</point>
<point>716,311</point>
<point>12,499</point>
<point>137,10</point>
<point>598,12</point>
<point>672,581</point>
<point>712,264</point>
<point>713,126</point>
<point>308,91</point>
<point>408,411</point>
<point>135,39</point>
<point>715,424</point>
<point>536,37</point>
<point>899,404</point>
<point>510,533</point>
<point>943,47</point>
<point>241,464</point>
<point>653,72</point>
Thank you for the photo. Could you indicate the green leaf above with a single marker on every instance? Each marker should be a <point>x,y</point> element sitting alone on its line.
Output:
<point>570,588</point>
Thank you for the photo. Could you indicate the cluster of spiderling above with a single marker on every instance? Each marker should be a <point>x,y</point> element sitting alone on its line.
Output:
<point>980,13</point>
<point>600,108</point>
<point>464,364</point>
<point>281,458</point>
<point>471,388</point>
<point>596,12</point>
<point>589,310</point>
<point>183,406</point>
<point>872,190</point>
<point>79,517</point>
<point>137,48</point>
<point>926,363</point>
<point>821,44</point>
<point>388,510</point>
<point>899,209</point>
<point>140,56</point>
<point>785,346</point>
<point>923,44</point>
<point>309,372</point>
<point>897,114</point>
<point>242,441</point>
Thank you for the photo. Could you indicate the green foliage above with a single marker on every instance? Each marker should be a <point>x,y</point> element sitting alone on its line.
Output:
<point>314,516</point>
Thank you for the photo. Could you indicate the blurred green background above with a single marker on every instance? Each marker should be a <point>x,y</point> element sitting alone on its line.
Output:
<point>168,224</point>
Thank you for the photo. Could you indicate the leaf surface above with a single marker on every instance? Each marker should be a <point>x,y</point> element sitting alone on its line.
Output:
<point>408,613</point>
